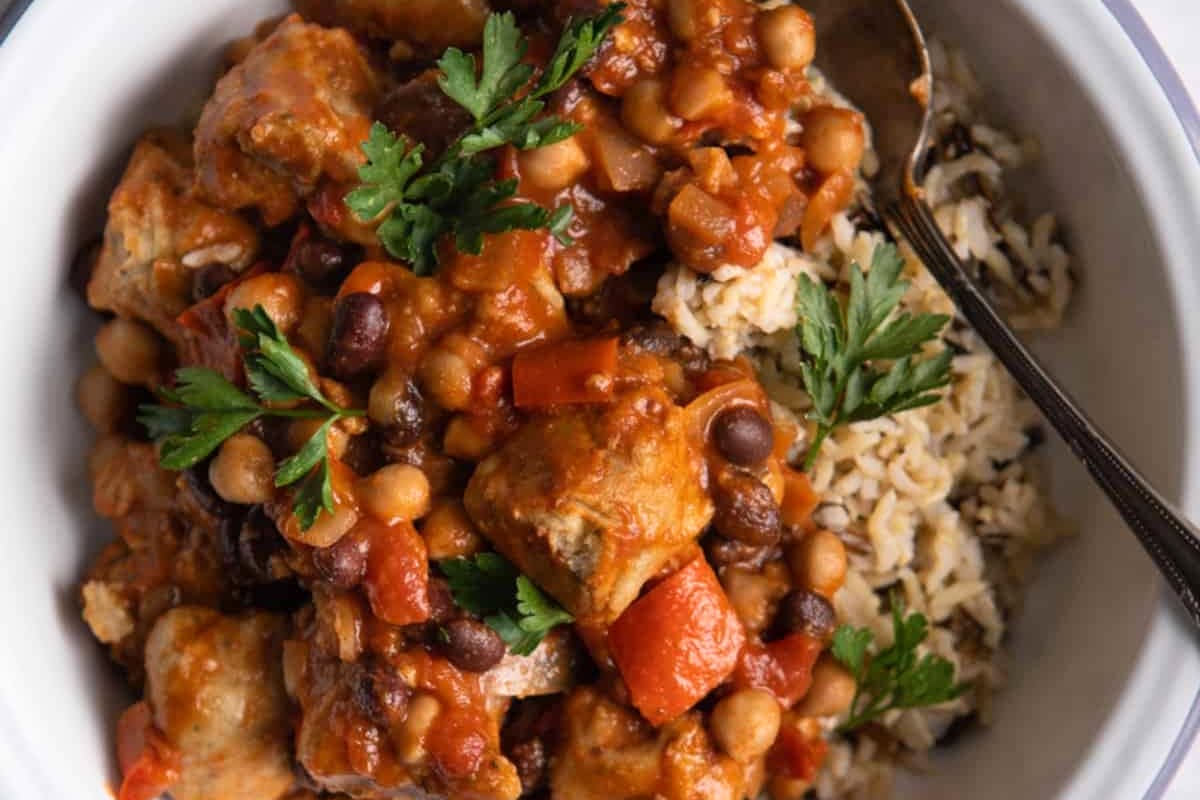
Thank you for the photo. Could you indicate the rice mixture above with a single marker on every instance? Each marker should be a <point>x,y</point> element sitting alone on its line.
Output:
<point>947,502</point>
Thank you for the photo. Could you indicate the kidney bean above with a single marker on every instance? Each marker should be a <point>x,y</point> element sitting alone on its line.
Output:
<point>471,645</point>
<point>321,262</point>
<point>804,611</point>
<point>746,510</point>
<point>743,436</point>
<point>358,340</point>
<point>344,563</point>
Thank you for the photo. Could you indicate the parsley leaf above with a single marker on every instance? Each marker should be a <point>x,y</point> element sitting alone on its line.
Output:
<point>578,44</point>
<point>503,73</point>
<point>895,677</point>
<point>842,372</point>
<point>204,409</point>
<point>458,194</point>
<point>511,604</point>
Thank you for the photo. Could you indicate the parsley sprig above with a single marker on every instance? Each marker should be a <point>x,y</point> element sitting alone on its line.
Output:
<point>204,409</point>
<point>510,603</point>
<point>458,194</point>
<point>895,677</point>
<point>845,346</point>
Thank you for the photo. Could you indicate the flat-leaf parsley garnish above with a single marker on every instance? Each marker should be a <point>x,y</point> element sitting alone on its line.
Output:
<point>510,603</point>
<point>203,409</point>
<point>895,677</point>
<point>862,359</point>
<point>458,194</point>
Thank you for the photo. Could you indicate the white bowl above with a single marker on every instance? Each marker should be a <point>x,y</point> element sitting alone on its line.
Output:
<point>1104,671</point>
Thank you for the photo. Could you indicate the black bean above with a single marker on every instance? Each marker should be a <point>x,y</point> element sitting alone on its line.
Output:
<point>209,279</point>
<point>380,694</point>
<point>743,436</point>
<point>321,262</point>
<point>722,552</point>
<point>407,417</point>
<point>358,341</point>
<point>529,757</point>
<point>471,645</point>
<point>343,563</point>
<point>803,611</point>
<point>746,510</point>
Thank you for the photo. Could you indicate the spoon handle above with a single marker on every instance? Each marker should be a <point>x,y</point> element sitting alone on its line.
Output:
<point>1169,538</point>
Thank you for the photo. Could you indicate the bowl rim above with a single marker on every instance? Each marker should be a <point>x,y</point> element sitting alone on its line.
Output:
<point>1166,630</point>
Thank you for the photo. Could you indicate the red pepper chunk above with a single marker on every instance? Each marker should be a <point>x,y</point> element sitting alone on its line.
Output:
<point>148,764</point>
<point>797,755</point>
<point>397,580</point>
<point>783,667</point>
<point>565,373</point>
<point>677,642</point>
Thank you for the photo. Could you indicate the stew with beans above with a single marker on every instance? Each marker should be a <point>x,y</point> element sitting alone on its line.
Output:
<point>470,522</point>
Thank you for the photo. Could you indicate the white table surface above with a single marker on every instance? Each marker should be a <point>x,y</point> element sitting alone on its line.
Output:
<point>1176,23</point>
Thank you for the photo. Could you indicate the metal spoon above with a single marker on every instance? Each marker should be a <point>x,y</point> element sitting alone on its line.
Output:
<point>875,53</point>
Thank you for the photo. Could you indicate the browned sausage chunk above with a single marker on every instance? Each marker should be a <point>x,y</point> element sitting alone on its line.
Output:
<point>158,237</point>
<point>215,685</point>
<point>592,502</point>
<point>296,109</point>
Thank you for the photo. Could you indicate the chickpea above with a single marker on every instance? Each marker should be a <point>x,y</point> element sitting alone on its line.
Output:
<point>447,378</point>
<point>102,399</point>
<point>448,532</point>
<point>395,493</point>
<point>423,709</point>
<point>463,440</point>
<point>644,111</point>
<point>698,92</point>
<point>833,139</point>
<point>818,562</point>
<point>299,431</point>
<point>278,293</point>
<point>328,529</point>
<point>130,351</point>
<point>831,692</point>
<point>754,593</point>
<point>312,332</point>
<point>746,723</point>
<point>243,470</point>
<point>788,37</point>
<point>685,18</point>
<point>555,166</point>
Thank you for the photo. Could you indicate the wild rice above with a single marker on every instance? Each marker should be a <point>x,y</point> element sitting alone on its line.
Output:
<point>945,503</point>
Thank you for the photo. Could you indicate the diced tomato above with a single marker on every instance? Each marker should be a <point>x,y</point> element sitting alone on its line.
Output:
<point>564,373</point>
<point>148,764</point>
<point>397,580</point>
<point>677,642</point>
<point>783,667</point>
<point>797,754</point>
<point>799,499</point>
